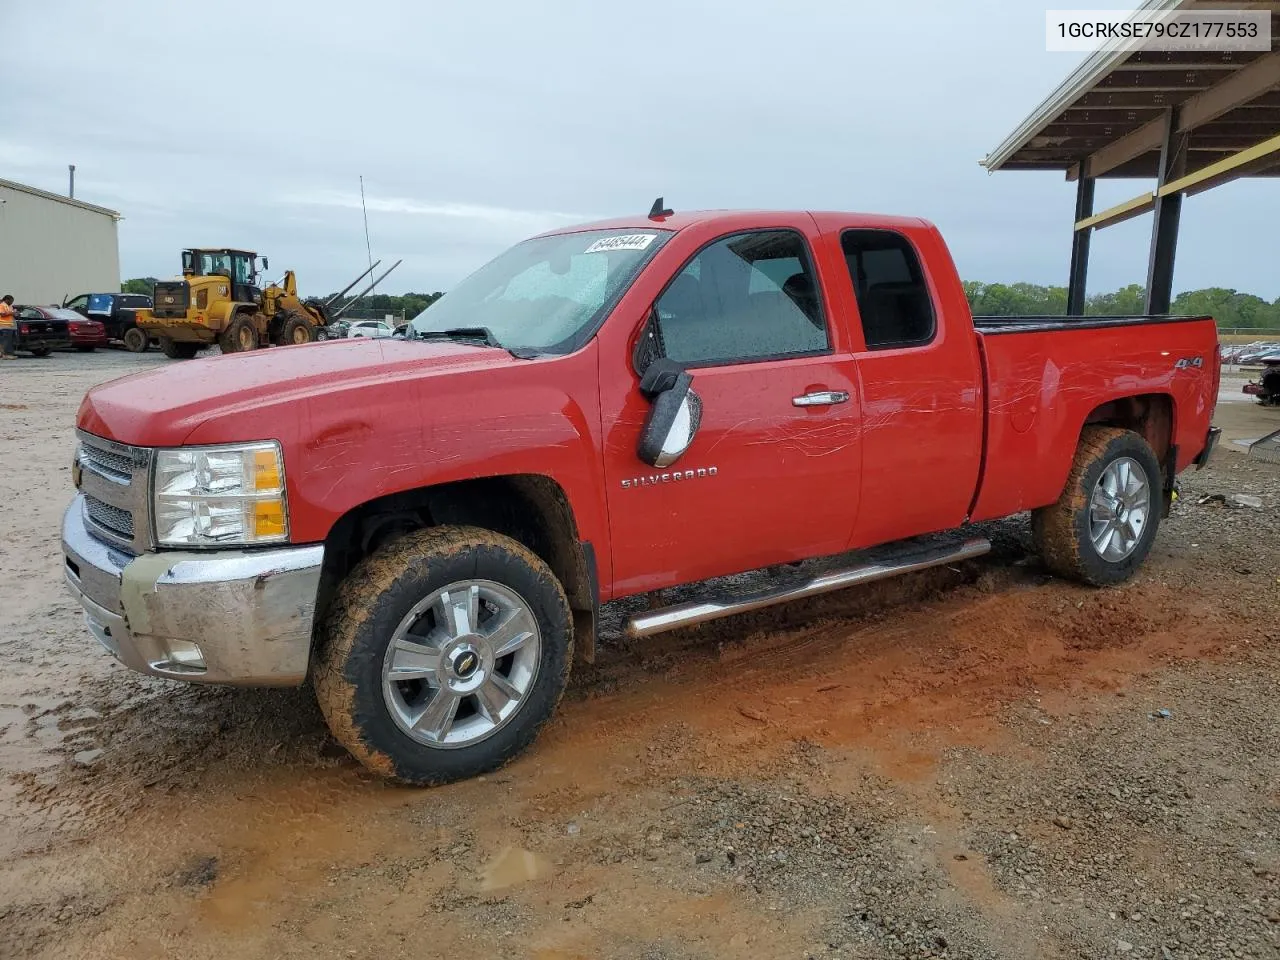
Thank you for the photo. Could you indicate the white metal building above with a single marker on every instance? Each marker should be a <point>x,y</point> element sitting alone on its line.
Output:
<point>52,247</point>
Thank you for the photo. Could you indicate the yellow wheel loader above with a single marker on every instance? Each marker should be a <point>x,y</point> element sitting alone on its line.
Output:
<point>218,300</point>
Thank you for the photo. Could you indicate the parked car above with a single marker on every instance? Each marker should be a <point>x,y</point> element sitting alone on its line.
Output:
<point>608,411</point>
<point>1254,352</point>
<point>39,334</point>
<point>369,328</point>
<point>115,311</point>
<point>82,333</point>
<point>338,329</point>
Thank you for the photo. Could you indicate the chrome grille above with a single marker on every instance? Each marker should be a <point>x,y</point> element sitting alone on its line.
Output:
<point>118,466</point>
<point>114,480</point>
<point>118,521</point>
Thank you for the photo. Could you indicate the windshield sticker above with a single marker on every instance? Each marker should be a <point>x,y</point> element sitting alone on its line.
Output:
<point>629,241</point>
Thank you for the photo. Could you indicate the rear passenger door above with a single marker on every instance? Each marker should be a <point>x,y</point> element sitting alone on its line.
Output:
<point>921,384</point>
<point>772,473</point>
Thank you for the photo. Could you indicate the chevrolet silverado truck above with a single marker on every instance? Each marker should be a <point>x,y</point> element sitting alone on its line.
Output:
<point>425,528</point>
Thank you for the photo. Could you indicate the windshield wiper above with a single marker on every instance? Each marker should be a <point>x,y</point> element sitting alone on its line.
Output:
<point>481,335</point>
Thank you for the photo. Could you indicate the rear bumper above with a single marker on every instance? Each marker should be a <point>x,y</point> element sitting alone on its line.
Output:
<point>37,341</point>
<point>235,616</point>
<point>1210,445</point>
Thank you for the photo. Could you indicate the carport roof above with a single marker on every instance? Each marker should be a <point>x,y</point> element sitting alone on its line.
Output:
<point>1107,119</point>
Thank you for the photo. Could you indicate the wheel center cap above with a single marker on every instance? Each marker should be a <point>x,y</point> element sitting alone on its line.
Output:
<point>464,662</point>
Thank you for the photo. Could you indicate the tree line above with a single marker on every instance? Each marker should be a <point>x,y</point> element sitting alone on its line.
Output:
<point>1230,308</point>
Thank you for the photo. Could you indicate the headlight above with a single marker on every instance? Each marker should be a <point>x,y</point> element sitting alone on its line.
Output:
<point>220,496</point>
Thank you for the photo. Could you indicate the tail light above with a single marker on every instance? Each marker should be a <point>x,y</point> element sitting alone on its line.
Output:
<point>24,329</point>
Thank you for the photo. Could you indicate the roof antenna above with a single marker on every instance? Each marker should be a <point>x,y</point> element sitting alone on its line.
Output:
<point>659,212</point>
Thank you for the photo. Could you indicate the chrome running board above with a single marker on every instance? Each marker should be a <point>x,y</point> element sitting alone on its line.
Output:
<point>690,614</point>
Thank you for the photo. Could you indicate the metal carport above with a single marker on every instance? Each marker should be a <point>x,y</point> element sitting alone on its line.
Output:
<point>1191,121</point>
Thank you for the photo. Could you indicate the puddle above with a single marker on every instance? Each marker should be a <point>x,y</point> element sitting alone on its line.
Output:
<point>511,867</point>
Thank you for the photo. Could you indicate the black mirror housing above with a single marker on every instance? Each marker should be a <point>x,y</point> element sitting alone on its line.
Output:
<point>674,417</point>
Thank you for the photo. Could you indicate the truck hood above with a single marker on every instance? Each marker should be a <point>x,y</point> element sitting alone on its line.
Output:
<point>161,408</point>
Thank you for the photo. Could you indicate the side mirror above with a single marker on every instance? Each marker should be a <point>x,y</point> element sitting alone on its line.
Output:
<point>265,265</point>
<point>674,416</point>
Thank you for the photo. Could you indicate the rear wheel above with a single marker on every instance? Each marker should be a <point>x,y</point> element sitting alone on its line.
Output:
<point>176,350</point>
<point>1103,525</point>
<point>40,351</point>
<point>136,340</point>
<point>240,336</point>
<point>297,330</point>
<point>442,655</point>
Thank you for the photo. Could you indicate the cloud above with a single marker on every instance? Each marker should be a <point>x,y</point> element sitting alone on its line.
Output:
<point>504,216</point>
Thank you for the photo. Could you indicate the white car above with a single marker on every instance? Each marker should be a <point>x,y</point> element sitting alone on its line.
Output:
<point>369,328</point>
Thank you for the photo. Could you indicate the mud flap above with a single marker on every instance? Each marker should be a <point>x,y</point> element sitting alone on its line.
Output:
<point>1170,481</point>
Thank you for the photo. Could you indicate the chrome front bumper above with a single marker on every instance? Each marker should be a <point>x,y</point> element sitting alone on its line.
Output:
<point>235,616</point>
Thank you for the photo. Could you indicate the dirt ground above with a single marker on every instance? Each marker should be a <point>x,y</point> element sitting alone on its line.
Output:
<point>978,762</point>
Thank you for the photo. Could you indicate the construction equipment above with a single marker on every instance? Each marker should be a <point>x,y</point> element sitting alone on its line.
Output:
<point>218,300</point>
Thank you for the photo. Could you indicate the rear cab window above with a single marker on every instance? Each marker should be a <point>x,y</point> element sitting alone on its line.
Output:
<point>893,296</point>
<point>747,297</point>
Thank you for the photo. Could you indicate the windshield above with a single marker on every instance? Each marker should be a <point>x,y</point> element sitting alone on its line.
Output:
<point>545,294</point>
<point>58,313</point>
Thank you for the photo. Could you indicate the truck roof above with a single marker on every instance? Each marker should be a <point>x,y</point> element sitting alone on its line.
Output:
<point>737,218</point>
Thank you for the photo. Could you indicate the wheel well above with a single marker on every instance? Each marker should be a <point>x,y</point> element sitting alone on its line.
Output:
<point>1150,415</point>
<point>531,509</point>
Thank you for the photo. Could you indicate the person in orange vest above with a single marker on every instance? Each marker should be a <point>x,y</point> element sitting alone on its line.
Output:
<point>8,328</point>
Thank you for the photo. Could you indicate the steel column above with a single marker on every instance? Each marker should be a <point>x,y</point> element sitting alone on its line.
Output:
<point>1168,212</point>
<point>1080,248</point>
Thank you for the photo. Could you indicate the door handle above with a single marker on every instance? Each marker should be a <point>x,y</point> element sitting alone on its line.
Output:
<point>821,398</point>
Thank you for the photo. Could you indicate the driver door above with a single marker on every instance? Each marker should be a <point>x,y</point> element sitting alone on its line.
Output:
<point>772,473</point>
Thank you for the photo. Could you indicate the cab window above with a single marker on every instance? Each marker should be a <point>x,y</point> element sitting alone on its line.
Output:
<point>893,297</point>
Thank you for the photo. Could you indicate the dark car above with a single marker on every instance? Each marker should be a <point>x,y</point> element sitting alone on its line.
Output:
<point>115,311</point>
<point>83,334</point>
<point>39,334</point>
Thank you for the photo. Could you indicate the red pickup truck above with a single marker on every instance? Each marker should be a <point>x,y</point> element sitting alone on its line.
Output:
<point>426,527</point>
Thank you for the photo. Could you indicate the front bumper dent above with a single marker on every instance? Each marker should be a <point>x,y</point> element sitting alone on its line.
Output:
<point>233,616</point>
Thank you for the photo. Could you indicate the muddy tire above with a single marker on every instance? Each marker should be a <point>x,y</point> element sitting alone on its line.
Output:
<point>176,350</point>
<point>136,340</point>
<point>1102,527</point>
<point>442,655</point>
<point>240,336</point>
<point>297,330</point>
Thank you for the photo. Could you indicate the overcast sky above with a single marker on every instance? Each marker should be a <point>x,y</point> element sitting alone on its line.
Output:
<point>476,124</point>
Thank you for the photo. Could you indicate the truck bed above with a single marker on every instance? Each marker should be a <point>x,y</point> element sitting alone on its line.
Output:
<point>1033,323</point>
<point>1046,376</point>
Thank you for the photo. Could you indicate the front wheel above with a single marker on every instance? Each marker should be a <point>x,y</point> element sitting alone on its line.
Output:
<point>297,331</point>
<point>136,340</point>
<point>1103,525</point>
<point>443,654</point>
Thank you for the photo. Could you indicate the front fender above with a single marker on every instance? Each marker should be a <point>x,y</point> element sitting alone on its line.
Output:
<point>359,442</point>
